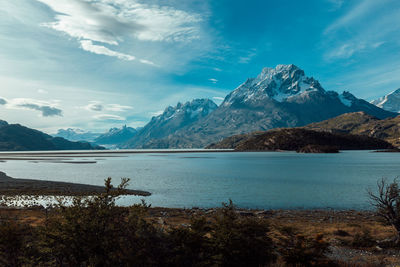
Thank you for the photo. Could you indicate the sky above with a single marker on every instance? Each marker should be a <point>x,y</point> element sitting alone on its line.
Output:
<point>96,64</point>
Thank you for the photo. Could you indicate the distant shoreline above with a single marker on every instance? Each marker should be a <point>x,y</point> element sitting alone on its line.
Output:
<point>13,186</point>
<point>98,152</point>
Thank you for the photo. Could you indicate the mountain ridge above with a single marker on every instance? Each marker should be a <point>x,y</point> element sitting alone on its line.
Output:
<point>15,137</point>
<point>278,97</point>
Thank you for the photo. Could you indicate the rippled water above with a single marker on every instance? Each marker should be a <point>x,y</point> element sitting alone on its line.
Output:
<point>251,180</point>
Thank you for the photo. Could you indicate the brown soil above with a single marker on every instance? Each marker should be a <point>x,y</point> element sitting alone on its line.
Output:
<point>338,228</point>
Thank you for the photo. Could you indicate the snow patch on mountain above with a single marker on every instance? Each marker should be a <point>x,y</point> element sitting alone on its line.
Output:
<point>278,83</point>
<point>390,102</point>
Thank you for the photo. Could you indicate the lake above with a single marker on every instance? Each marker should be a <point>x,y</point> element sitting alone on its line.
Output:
<point>278,180</point>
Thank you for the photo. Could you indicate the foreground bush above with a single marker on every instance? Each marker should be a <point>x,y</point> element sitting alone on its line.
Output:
<point>95,232</point>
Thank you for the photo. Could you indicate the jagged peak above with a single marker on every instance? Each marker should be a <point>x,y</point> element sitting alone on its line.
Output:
<point>389,102</point>
<point>203,105</point>
<point>279,83</point>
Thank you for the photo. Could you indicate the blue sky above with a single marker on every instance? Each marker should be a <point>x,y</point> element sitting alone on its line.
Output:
<point>94,64</point>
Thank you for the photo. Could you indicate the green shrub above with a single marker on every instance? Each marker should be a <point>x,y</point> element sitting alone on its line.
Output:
<point>240,241</point>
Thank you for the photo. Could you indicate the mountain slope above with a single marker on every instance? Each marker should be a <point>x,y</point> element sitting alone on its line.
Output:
<point>390,102</point>
<point>15,137</point>
<point>279,97</point>
<point>76,135</point>
<point>297,139</point>
<point>170,121</point>
<point>362,124</point>
<point>116,136</point>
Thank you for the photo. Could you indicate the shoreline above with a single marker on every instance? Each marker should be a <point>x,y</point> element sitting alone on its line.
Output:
<point>14,186</point>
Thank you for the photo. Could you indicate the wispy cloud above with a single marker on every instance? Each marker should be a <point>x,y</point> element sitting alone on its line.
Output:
<point>99,106</point>
<point>109,117</point>
<point>157,113</point>
<point>47,109</point>
<point>94,106</point>
<point>110,22</point>
<point>366,26</point>
<point>365,7</point>
<point>336,4</point>
<point>247,58</point>
<point>213,80</point>
<point>102,50</point>
<point>117,107</point>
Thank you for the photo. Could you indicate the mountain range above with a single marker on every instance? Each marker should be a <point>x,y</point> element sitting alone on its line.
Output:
<point>15,137</point>
<point>390,102</point>
<point>74,134</point>
<point>116,136</point>
<point>170,121</point>
<point>278,97</point>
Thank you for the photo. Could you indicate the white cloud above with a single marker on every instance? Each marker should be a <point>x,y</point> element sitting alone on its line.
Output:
<point>218,98</point>
<point>107,117</point>
<point>99,106</point>
<point>111,22</point>
<point>157,113</point>
<point>213,80</point>
<point>345,51</point>
<point>47,109</point>
<point>94,106</point>
<point>102,50</point>
<point>250,55</point>
<point>117,107</point>
<point>366,26</point>
<point>362,9</point>
<point>336,4</point>
<point>41,91</point>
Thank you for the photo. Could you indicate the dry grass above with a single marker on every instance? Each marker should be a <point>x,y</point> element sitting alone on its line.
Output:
<point>333,225</point>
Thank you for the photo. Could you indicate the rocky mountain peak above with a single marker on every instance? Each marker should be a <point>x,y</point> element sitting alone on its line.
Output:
<point>390,102</point>
<point>192,108</point>
<point>279,84</point>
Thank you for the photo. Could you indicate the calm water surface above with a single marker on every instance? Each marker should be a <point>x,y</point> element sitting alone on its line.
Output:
<point>251,180</point>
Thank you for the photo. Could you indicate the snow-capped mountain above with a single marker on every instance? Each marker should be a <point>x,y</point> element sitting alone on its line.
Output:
<point>390,102</point>
<point>172,120</point>
<point>284,83</point>
<point>74,134</point>
<point>278,97</point>
<point>116,136</point>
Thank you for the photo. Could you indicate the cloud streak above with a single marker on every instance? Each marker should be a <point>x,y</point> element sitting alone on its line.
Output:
<point>47,109</point>
<point>365,27</point>
<point>102,50</point>
<point>94,106</point>
<point>111,22</point>
<point>109,117</point>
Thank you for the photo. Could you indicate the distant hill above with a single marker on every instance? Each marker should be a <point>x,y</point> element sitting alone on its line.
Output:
<point>278,97</point>
<point>362,124</point>
<point>301,140</point>
<point>116,136</point>
<point>15,137</point>
<point>74,134</point>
